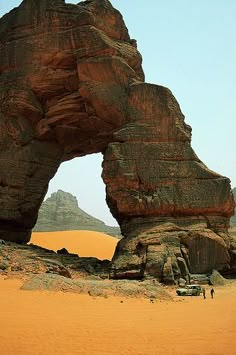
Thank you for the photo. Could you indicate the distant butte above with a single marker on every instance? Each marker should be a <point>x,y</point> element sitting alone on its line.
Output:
<point>60,212</point>
<point>72,84</point>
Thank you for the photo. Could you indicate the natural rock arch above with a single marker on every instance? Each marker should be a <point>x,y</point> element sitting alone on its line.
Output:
<point>72,84</point>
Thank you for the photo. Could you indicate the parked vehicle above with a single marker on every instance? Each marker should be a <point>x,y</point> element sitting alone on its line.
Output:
<point>189,290</point>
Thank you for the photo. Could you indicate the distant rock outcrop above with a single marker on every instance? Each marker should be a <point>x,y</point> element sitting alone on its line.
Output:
<point>233,218</point>
<point>61,212</point>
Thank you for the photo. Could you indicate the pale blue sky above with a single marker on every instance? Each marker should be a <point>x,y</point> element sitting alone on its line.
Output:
<point>188,46</point>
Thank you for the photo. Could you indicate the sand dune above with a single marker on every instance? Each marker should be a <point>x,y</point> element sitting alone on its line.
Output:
<point>83,243</point>
<point>68,324</point>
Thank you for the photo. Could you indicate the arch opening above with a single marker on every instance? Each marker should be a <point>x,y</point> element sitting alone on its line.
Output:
<point>74,214</point>
<point>81,177</point>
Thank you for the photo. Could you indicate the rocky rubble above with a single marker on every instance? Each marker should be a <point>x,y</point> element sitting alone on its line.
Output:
<point>24,260</point>
<point>95,288</point>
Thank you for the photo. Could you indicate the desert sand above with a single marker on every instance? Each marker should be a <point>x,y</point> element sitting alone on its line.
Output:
<point>66,323</point>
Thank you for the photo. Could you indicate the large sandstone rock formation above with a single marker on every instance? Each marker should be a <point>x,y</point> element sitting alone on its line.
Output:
<point>60,212</point>
<point>72,84</point>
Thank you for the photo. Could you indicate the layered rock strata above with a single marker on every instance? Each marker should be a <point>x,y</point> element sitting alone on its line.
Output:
<point>72,84</point>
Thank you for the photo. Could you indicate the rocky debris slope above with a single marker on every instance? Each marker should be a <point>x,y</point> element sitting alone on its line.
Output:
<point>43,269</point>
<point>25,260</point>
<point>72,84</point>
<point>60,212</point>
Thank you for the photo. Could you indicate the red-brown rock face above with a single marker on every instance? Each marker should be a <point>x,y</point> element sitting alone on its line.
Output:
<point>71,84</point>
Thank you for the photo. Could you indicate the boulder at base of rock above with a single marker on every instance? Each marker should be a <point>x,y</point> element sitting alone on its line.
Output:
<point>216,279</point>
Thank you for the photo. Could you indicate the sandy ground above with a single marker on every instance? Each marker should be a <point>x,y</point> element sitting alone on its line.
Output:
<point>83,243</point>
<point>68,324</point>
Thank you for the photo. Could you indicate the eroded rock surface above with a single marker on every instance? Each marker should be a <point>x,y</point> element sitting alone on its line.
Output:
<point>71,84</point>
<point>65,71</point>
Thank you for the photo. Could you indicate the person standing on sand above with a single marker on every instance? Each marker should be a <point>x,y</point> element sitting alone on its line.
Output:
<point>212,293</point>
<point>204,293</point>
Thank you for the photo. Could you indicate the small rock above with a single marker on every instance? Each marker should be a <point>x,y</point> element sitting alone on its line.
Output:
<point>182,282</point>
<point>63,251</point>
<point>16,268</point>
<point>3,265</point>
